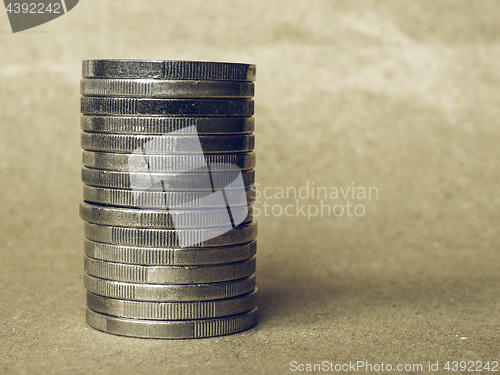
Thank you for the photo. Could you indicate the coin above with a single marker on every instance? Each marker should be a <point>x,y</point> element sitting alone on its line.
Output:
<point>171,219</point>
<point>166,89</point>
<point>207,237</point>
<point>159,199</point>
<point>144,125</point>
<point>164,144</point>
<point>168,171</point>
<point>166,163</point>
<point>177,329</point>
<point>196,70</point>
<point>166,107</point>
<point>182,181</point>
<point>172,310</point>
<point>169,274</point>
<point>169,257</point>
<point>169,292</point>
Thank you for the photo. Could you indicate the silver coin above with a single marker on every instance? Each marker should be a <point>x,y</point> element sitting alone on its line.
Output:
<point>178,70</point>
<point>169,274</point>
<point>158,256</point>
<point>167,219</point>
<point>182,181</point>
<point>159,199</point>
<point>172,310</point>
<point>144,125</point>
<point>164,144</point>
<point>169,293</point>
<point>171,238</point>
<point>166,107</point>
<point>177,329</point>
<point>166,163</point>
<point>166,89</point>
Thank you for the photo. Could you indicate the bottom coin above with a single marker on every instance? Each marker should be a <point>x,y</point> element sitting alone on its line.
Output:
<point>178,329</point>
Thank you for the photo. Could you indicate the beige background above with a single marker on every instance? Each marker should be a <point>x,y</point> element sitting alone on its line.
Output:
<point>398,95</point>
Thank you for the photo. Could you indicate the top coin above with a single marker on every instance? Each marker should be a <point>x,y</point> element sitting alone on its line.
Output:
<point>169,69</point>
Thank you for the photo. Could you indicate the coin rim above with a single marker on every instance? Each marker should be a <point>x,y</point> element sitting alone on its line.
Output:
<point>212,68</point>
<point>164,329</point>
<point>188,310</point>
<point>113,124</point>
<point>168,275</point>
<point>104,234</point>
<point>181,292</point>
<point>159,88</point>
<point>158,256</point>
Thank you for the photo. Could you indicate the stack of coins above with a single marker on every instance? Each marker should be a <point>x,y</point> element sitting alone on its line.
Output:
<point>168,168</point>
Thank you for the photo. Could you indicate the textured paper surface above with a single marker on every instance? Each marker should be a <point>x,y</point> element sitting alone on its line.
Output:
<point>401,96</point>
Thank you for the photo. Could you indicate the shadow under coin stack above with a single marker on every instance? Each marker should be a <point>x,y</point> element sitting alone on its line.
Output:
<point>168,168</point>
